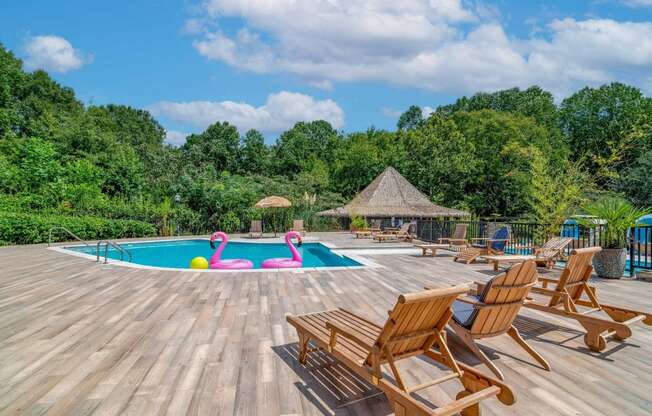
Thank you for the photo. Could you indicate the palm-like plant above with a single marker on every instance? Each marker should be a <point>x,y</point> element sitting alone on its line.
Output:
<point>619,216</point>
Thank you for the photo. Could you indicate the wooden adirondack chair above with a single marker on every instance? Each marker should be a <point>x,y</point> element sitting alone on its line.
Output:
<point>459,236</point>
<point>490,311</point>
<point>485,246</point>
<point>414,326</point>
<point>297,225</point>
<point>548,254</point>
<point>566,298</point>
<point>256,229</point>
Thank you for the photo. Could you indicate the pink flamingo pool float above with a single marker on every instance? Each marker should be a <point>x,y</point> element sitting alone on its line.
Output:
<point>216,263</point>
<point>285,262</point>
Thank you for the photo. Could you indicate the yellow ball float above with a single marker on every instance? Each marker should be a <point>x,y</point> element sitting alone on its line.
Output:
<point>199,263</point>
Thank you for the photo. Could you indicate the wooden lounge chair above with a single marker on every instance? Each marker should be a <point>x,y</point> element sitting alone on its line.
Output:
<point>297,226</point>
<point>403,233</point>
<point>601,321</point>
<point>553,249</point>
<point>458,238</point>
<point>432,248</point>
<point>485,246</point>
<point>414,326</point>
<point>256,229</point>
<point>490,311</point>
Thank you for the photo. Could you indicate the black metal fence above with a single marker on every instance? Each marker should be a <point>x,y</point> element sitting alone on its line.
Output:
<point>526,234</point>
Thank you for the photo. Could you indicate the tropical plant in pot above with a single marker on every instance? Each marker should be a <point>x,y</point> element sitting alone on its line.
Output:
<point>617,216</point>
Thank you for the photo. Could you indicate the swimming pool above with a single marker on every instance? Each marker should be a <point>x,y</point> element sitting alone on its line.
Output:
<point>178,253</point>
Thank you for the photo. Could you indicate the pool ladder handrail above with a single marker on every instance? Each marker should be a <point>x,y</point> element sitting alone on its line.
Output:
<point>69,233</point>
<point>115,245</point>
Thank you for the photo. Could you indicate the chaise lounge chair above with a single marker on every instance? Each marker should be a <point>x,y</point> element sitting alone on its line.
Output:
<point>458,240</point>
<point>455,243</point>
<point>256,229</point>
<point>490,311</point>
<point>414,326</point>
<point>545,256</point>
<point>566,298</point>
<point>402,233</point>
<point>298,227</point>
<point>485,246</point>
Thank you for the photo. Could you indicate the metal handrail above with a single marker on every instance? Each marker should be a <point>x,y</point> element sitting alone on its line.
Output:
<point>115,245</point>
<point>69,233</point>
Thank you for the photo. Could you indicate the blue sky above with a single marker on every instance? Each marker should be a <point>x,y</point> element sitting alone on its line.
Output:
<point>357,63</point>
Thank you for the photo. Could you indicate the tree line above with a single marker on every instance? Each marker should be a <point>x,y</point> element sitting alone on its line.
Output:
<point>513,153</point>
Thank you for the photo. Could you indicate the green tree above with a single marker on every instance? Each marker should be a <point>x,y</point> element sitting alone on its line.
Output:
<point>358,162</point>
<point>296,148</point>
<point>439,160</point>
<point>410,119</point>
<point>254,156</point>
<point>636,181</point>
<point>609,126</point>
<point>502,149</point>
<point>218,145</point>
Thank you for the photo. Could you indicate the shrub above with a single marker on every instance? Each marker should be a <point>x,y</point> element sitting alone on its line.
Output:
<point>26,228</point>
<point>358,223</point>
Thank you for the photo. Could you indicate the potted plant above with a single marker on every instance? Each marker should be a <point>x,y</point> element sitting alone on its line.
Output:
<point>618,217</point>
<point>358,223</point>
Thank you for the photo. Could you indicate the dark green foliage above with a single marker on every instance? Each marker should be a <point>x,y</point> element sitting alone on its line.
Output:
<point>636,181</point>
<point>411,119</point>
<point>609,126</point>
<point>24,228</point>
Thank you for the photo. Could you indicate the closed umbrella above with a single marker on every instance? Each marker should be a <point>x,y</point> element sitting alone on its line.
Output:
<point>273,202</point>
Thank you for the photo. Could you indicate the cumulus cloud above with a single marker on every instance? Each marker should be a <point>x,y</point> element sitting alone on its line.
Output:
<point>53,53</point>
<point>438,45</point>
<point>175,138</point>
<point>280,112</point>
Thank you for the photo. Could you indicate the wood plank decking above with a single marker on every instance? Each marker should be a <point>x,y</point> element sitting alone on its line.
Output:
<point>78,338</point>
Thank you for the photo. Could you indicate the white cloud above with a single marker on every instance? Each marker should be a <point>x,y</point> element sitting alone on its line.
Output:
<point>637,3</point>
<point>53,53</point>
<point>175,138</point>
<point>390,112</point>
<point>280,112</point>
<point>426,111</point>
<point>438,45</point>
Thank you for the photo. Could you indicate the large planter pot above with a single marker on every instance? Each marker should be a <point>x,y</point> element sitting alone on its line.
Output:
<point>610,263</point>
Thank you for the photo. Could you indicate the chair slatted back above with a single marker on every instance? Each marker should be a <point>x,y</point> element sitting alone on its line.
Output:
<point>504,295</point>
<point>410,328</point>
<point>578,270</point>
<point>256,226</point>
<point>554,246</point>
<point>460,231</point>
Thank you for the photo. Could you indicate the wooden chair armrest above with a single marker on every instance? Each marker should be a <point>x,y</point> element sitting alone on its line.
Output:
<point>548,279</point>
<point>479,288</point>
<point>441,240</point>
<point>348,332</point>
<point>468,299</point>
<point>457,240</point>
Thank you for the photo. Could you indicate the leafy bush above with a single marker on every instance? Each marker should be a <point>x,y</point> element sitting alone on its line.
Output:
<point>358,223</point>
<point>26,228</point>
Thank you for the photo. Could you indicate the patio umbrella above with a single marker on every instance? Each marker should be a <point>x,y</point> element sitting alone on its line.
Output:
<point>273,202</point>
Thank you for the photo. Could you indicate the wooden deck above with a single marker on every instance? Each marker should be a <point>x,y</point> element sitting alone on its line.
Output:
<point>79,338</point>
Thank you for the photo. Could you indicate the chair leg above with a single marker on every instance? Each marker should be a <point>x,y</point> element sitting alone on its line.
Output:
<point>470,342</point>
<point>303,347</point>
<point>516,336</point>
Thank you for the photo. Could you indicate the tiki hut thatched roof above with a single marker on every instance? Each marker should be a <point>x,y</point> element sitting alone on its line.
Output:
<point>391,195</point>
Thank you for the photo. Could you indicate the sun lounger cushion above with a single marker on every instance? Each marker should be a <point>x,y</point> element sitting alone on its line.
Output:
<point>464,313</point>
<point>501,234</point>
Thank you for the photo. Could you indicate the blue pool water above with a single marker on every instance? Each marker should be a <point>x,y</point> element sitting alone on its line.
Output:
<point>177,254</point>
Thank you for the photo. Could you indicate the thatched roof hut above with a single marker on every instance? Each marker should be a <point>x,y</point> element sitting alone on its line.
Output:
<point>391,195</point>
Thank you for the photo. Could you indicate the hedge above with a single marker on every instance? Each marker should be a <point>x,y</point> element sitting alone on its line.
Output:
<point>28,228</point>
